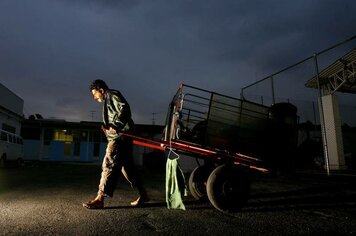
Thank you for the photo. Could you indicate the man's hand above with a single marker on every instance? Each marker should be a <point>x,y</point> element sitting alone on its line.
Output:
<point>104,130</point>
<point>112,130</point>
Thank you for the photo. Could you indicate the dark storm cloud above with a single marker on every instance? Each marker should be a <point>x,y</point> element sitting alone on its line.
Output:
<point>52,50</point>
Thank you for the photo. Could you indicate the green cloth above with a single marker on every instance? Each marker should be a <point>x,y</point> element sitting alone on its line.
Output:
<point>175,185</point>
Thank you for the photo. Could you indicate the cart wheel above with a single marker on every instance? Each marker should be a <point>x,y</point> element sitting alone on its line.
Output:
<point>228,188</point>
<point>197,182</point>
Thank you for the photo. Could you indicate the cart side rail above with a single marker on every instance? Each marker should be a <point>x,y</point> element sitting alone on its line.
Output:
<point>215,120</point>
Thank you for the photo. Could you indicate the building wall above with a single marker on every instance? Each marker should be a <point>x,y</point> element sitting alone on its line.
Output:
<point>49,140</point>
<point>11,110</point>
<point>333,132</point>
<point>10,100</point>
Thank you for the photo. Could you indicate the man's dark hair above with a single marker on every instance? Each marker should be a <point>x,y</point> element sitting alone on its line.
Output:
<point>99,84</point>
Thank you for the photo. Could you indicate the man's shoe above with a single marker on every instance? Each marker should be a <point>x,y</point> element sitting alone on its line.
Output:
<point>140,201</point>
<point>94,204</point>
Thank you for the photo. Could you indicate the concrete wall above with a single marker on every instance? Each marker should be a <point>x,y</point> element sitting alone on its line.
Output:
<point>10,100</point>
<point>333,132</point>
<point>11,109</point>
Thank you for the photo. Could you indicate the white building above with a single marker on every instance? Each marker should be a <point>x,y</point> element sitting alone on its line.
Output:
<point>11,110</point>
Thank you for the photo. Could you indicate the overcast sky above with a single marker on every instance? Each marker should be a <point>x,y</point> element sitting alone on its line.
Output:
<point>51,50</point>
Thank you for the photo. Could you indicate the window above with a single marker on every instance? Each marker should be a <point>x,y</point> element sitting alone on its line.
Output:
<point>31,133</point>
<point>3,136</point>
<point>48,136</point>
<point>95,136</point>
<point>9,128</point>
<point>96,149</point>
<point>67,149</point>
<point>76,148</point>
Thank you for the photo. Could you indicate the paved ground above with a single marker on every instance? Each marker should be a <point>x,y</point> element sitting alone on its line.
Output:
<point>45,199</point>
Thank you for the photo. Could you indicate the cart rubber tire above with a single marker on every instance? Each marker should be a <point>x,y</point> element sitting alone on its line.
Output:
<point>197,182</point>
<point>228,188</point>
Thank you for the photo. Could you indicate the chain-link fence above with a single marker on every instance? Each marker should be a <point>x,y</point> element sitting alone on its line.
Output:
<point>289,85</point>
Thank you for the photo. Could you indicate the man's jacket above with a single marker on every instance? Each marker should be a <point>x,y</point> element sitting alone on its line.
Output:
<point>116,113</point>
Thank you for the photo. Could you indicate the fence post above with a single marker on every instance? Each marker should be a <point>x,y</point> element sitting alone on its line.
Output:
<point>322,122</point>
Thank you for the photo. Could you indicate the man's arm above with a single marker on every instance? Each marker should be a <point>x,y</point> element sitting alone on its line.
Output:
<point>122,114</point>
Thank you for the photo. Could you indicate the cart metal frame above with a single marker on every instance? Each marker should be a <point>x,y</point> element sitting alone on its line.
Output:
<point>232,136</point>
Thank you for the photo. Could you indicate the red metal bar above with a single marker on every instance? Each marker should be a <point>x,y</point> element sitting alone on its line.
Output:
<point>194,149</point>
<point>154,146</point>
